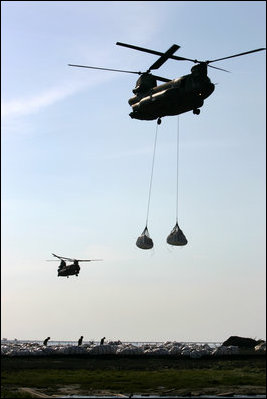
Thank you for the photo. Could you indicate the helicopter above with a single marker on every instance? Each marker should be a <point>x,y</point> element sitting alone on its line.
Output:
<point>65,270</point>
<point>173,97</point>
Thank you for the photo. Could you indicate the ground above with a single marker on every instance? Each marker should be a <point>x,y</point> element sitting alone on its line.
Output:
<point>76,390</point>
<point>78,375</point>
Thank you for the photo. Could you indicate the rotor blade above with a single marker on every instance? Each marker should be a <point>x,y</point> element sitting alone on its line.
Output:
<point>87,260</point>
<point>62,257</point>
<point>236,55</point>
<point>51,260</point>
<point>174,57</point>
<point>163,58</point>
<point>146,50</point>
<point>220,69</point>
<point>104,69</point>
<point>161,79</point>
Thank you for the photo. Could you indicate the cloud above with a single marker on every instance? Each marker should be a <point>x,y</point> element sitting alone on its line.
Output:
<point>35,103</point>
<point>138,21</point>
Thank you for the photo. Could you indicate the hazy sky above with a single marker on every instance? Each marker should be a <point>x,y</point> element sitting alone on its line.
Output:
<point>76,170</point>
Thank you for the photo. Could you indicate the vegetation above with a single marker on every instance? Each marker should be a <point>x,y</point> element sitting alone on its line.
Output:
<point>11,393</point>
<point>126,375</point>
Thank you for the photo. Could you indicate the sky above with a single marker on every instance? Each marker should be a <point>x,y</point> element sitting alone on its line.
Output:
<point>76,171</point>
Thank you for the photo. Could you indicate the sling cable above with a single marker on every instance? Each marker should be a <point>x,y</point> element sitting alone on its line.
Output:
<point>176,236</point>
<point>144,241</point>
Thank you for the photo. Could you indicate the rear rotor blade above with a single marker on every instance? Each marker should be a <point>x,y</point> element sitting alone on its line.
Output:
<point>236,55</point>
<point>87,260</point>
<point>104,69</point>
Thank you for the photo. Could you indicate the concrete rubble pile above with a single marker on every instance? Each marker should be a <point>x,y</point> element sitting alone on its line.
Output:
<point>191,350</point>
<point>261,347</point>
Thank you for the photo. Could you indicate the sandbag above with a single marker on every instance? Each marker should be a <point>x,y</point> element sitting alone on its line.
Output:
<point>176,237</point>
<point>144,241</point>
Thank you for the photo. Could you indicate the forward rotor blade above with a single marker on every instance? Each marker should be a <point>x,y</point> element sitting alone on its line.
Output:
<point>146,50</point>
<point>236,55</point>
<point>161,79</point>
<point>104,69</point>
<point>116,70</point>
<point>62,257</point>
<point>59,257</point>
<point>72,259</point>
<point>163,58</point>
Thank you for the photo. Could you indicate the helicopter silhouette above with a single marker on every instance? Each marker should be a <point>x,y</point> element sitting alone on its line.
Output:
<point>65,270</point>
<point>174,97</point>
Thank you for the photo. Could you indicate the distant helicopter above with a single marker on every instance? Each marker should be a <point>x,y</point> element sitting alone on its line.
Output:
<point>65,270</point>
<point>174,97</point>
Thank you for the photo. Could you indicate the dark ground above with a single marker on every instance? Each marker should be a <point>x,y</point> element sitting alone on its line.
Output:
<point>88,375</point>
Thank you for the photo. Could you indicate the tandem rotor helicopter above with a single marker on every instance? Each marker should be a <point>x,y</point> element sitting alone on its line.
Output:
<point>65,270</point>
<point>174,97</point>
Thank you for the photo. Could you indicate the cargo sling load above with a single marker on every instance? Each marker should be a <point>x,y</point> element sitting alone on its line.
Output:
<point>144,241</point>
<point>176,237</point>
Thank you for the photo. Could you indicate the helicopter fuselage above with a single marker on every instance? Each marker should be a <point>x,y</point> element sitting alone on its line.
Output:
<point>72,269</point>
<point>175,97</point>
<point>68,270</point>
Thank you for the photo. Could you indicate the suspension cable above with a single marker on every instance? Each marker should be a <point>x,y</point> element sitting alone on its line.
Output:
<point>151,177</point>
<point>177,168</point>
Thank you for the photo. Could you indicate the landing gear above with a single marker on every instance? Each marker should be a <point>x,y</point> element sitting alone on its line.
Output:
<point>159,121</point>
<point>196,111</point>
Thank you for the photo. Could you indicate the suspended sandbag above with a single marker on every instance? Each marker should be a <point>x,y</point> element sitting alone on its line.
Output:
<point>176,237</point>
<point>144,241</point>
